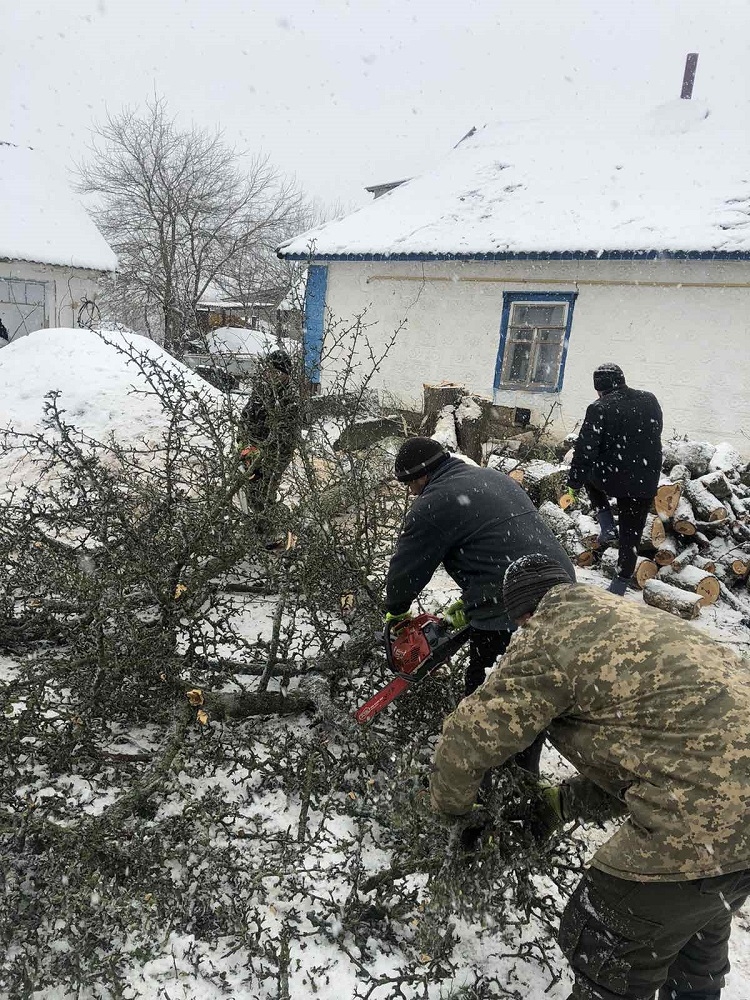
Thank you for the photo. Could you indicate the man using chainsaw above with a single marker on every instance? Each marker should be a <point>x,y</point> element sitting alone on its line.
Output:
<point>655,715</point>
<point>475,522</point>
<point>618,454</point>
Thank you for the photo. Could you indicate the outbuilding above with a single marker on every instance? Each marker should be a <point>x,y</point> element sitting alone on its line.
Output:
<point>537,250</point>
<point>52,256</point>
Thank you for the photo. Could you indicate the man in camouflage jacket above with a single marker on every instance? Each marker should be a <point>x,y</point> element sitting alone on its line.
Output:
<point>657,715</point>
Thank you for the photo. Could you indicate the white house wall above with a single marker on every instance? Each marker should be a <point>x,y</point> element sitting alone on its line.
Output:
<point>65,289</point>
<point>686,338</point>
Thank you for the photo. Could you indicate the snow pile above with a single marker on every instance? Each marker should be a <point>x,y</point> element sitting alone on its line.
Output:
<point>567,184</point>
<point>104,393</point>
<point>40,217</point>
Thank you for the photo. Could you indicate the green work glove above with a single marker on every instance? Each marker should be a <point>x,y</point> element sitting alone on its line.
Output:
<point>395,620</point>
<point>456,614</point>
<point>540,808</point>
<point>546,812</point>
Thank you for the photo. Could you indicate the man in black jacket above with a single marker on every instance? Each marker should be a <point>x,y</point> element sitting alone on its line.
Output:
<point>476,522</point>
<point>618,454</point>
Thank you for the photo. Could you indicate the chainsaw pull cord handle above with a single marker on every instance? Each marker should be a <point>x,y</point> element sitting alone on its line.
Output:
<point>388,643</point>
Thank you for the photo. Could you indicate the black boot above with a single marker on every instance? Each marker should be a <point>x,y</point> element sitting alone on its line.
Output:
<point>608,533</point>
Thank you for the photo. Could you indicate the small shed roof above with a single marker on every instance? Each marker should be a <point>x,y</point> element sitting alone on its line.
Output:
<point>41,220</point>
<point>673,183</point>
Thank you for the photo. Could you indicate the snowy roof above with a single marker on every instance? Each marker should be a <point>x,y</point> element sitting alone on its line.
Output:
<point>41,219</point>
<point>233,340</point>
<point>672,182</point>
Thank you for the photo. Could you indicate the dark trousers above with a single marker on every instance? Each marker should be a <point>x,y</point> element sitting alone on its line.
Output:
<point>632,514</point>
<point>627,940</point>
<point>484,649</point>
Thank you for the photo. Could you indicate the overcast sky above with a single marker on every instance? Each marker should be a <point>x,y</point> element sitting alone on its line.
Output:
<point>345,94</point>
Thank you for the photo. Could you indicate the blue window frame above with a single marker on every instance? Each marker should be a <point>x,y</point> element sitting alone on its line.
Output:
<point>314,325</point>
<point>534,336</point>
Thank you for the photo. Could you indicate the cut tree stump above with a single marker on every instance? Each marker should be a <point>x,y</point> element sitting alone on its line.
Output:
<point>435,399</point>
<point>472,427</point>
<point>667,497</point>
<point>444,430</point>
<point>678,602</point>
<point>695,580</point>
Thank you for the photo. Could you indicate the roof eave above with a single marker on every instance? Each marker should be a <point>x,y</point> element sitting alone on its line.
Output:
<point>57,263</point>
<point>537,255</point>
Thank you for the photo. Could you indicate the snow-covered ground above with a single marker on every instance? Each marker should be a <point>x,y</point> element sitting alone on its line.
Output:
<point>103,392</point>
<point>223,972</point>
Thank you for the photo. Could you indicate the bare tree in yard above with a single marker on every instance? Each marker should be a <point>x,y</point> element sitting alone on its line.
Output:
<point>259,271</point>
<point>177,208</point>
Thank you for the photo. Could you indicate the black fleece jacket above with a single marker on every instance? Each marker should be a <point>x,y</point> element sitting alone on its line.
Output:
<point>476,522</point>
<point>619,448</point>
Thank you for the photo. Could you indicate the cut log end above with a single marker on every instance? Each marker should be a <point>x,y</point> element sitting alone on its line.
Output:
<point>666,499</point>
<point>686,528</point>
<point>565,501</point>
<point>645,570</point>
<point>709,590</point>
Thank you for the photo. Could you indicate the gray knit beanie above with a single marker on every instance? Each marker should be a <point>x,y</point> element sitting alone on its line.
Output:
<point>526,582</point>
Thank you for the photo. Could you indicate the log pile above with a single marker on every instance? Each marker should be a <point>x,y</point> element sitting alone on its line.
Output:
<point>695,546</point>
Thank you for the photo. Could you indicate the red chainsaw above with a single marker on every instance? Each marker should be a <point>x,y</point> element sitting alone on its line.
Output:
<point>412,651</point>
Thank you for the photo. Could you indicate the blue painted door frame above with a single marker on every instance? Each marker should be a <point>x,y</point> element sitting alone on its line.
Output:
<point>314,320</point>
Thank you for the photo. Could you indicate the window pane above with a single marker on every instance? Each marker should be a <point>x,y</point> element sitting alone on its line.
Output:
<point>549,314</point>
<point>518,366</point>
<point>34,293</point>
<point>16,291</point>
<point>553,336</point>
<point>521,333</point>
<point>547,365</point>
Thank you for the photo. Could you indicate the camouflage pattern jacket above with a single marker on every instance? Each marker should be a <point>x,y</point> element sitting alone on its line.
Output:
<point>643,704</point>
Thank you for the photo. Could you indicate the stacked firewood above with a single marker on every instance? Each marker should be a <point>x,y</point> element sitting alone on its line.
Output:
<point>695,547</point>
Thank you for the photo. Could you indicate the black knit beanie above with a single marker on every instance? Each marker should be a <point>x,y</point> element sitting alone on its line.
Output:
<point>608,376</point>
<point>526,582</point>
<point>418,457</point>
<point>280,360</point>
